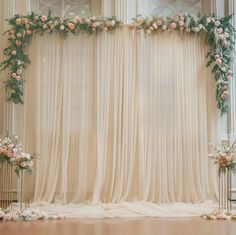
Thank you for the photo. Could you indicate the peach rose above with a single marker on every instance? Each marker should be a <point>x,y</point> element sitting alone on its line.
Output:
<point>71,26</point>
<point>18,21</point>
<point>18,77</point>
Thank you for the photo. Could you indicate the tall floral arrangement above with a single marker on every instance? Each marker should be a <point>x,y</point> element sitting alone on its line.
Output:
<point>220,35</point>
<point>23,27</point>
<point>224,156</point>
<point>11,152</point>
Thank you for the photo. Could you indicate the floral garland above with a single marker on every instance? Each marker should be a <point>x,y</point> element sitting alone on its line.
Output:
<point>220,35</point>
<point>22,30</point>
<point>11,152</point>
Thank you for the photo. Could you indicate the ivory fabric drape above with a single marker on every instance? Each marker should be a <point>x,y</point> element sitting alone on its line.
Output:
<point>120,118</point>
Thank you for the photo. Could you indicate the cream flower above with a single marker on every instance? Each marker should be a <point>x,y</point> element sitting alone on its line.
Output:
<point>62,27</point>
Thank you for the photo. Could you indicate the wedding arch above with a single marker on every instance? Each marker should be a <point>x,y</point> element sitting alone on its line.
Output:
<point>220,35</point>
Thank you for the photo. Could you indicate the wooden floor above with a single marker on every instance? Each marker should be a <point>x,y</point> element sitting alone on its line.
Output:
<point>140,226</point>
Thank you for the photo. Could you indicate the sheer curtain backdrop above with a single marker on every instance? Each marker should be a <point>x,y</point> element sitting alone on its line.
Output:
<point>120,118</point>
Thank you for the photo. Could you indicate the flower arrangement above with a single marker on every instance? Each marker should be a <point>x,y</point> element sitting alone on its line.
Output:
<point>220,35</point>
<point>29,214</point>
<point>11,152</point>
<point>24,27</point>
<point>224,156</point>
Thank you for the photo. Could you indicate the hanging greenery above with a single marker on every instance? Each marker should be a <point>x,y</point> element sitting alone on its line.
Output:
<point>24,27</point>
<point>220,36</point>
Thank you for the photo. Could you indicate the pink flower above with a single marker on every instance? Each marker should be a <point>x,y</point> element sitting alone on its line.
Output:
<point>228,158</point>
<point>159,22</point>
<point>28,31</point>
<point>18,77</point>
<point>217,56</point>
<point>43,18</point>
<point>218,61</point>
<point>173,25</point>
<point>36,18</point>
<point>18,42</point>
<point>23,164</point>
<point>13,75</point>
<point>105,29</point>
<point>151,28</point>
<point>217,23</point>
<point>71,26</point>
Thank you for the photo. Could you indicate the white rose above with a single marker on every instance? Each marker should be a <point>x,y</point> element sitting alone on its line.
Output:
<point>219,30</point>
<point>62,27</point>
<point>14,150</point>
<point>19,71</point>
<point>196,29</point>
<point>45,26</point>
<point>113,22</point>
<point>226,34</point>
<point>181,23</point>
<point>208,20</point>
<point>154,25</point>
<point>56,22</point>
<point>200,26</point>
<point>18,63</point>
<point>223,69</point>
<point>93,18</point>
<point>27,156</point>
<point>164,27</point>
<point>18,35</point>
<point>75,20</point>
<point>221,37</point>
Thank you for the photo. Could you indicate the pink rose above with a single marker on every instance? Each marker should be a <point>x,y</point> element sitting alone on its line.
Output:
<point>218,61</point>
<point>23,164</point>
<point>173,25</point>
<point>18,42</point>
<point>28,31</point>
<point>228,158</point>
<point>13,75</point>
<point>159,22</point>
<point>217,23</point>
<point>18,77</point>
<point>151,28</point>
<point>71,26</point>
<point>43,18</point>
<point>36,18</point>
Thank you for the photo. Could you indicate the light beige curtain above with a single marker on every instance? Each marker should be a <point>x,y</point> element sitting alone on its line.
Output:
<point>120,117</point>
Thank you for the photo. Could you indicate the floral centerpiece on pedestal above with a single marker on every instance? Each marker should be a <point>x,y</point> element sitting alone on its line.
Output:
<point>224,155</point>
<point>11,152</point>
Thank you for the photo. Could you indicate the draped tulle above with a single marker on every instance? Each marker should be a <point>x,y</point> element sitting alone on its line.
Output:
<point>120,118</point>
